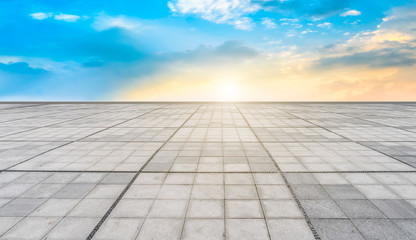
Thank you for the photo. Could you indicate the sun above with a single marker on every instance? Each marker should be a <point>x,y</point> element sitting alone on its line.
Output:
<point>228,90</point>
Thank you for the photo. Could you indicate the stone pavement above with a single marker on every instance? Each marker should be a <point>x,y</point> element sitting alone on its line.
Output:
<point>208,171</point>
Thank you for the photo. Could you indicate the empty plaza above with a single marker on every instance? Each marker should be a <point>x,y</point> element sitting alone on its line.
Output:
<point>208,171</point>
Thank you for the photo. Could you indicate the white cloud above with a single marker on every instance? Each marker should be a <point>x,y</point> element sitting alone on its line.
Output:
<point>325,25</point>
<point>103,22</point>
<point>60,16</point>
<point>268,23</point>
<point>66,17</point>
<point>350,13</point>
<point>274,42</point>
<point>244,23</point>
<point>218,11</point>
<point>307,31</point>
<point>396,32</point>
<point>289,20</point>
<point>40,15</point>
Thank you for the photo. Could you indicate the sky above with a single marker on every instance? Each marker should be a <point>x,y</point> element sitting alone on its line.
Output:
<point>207,50</point>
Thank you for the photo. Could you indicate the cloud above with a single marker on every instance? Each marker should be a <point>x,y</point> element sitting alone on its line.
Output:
<point>66,17</point>
<point>40,15</point>
<point>229,51</point>
<point>377,59</point>
<point>60,16</point>
<point>396,31</point>
<point>21,68</point>
<point>317,9</point>
<point>393,44</point>
<point>325,25</point>
<point>350,13</point>
<point>307,31</point>
<point>243,23</point>
<point>268,23</point>
<point>218,11</point>
<point>103,22</point>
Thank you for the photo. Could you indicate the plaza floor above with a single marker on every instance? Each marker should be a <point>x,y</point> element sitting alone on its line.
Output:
<point>208,171</point>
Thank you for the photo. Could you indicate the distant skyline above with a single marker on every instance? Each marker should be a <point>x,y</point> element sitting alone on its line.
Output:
<point>209,50</point>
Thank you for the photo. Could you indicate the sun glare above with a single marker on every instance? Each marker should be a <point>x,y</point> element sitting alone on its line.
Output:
<point>229,91</point>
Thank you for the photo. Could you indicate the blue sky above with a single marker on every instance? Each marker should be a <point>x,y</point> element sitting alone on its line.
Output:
<point>191,49</point>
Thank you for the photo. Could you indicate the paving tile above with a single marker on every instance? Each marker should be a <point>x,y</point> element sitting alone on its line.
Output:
<point>55,207</point>
<point>209,178</point>
<point>73,228</point>
<point>91,208</point>
<point>243,209</point>
<point>175,192</point>
<point>203,229</point>
<point>341,229</point>
<point>13,190</point>
<point>206,209</point>
<point>376,192</point>
<point>268,178</point>
<point>74,190</point>
<point>143,191</point>
<point>379,229</point>
<point>343,191</point>
<point>301,178</point>
<point>156,228</point>
<point>281,209</point>
<point>117,178</point>
<point>119,228</point>
<point>396,208</point>
<point>208,192</point>
<point>274,192</point>
<point>310,192</point>
<point>20,207</point>
<point>8,222</point>
<point>407,225</point>
<point>359,209</point>
<point>246,229</point>
<point>322,209</point>
<point>289,229</point>
<point>134,208</point>
<point>106,191</point>
<point>168,209</point>
<point>240,192</point>
<point>31,228</point>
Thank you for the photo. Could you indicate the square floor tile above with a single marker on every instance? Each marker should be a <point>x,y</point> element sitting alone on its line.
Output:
<point>168,209</point>
<point>341,229</point>
<point>296,229</point>
<point>322,209</point>
<point>246,229</point>
<point>203,229</point>
<point>281,209</point>
<point>206,209</point>
<point>359,209</point>
<point>156,228</point>
<point>243,209</point>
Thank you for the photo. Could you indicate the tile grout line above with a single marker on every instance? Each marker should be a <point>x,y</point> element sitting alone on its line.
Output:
<point>67,143</point>
<point>357,142</point>
<point>64,142</point>
<point>49,125</point>
<point>100,223</point>
<point>305,215</point>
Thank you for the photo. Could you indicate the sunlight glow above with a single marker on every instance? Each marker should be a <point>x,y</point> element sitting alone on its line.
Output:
<point>229,91</point>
